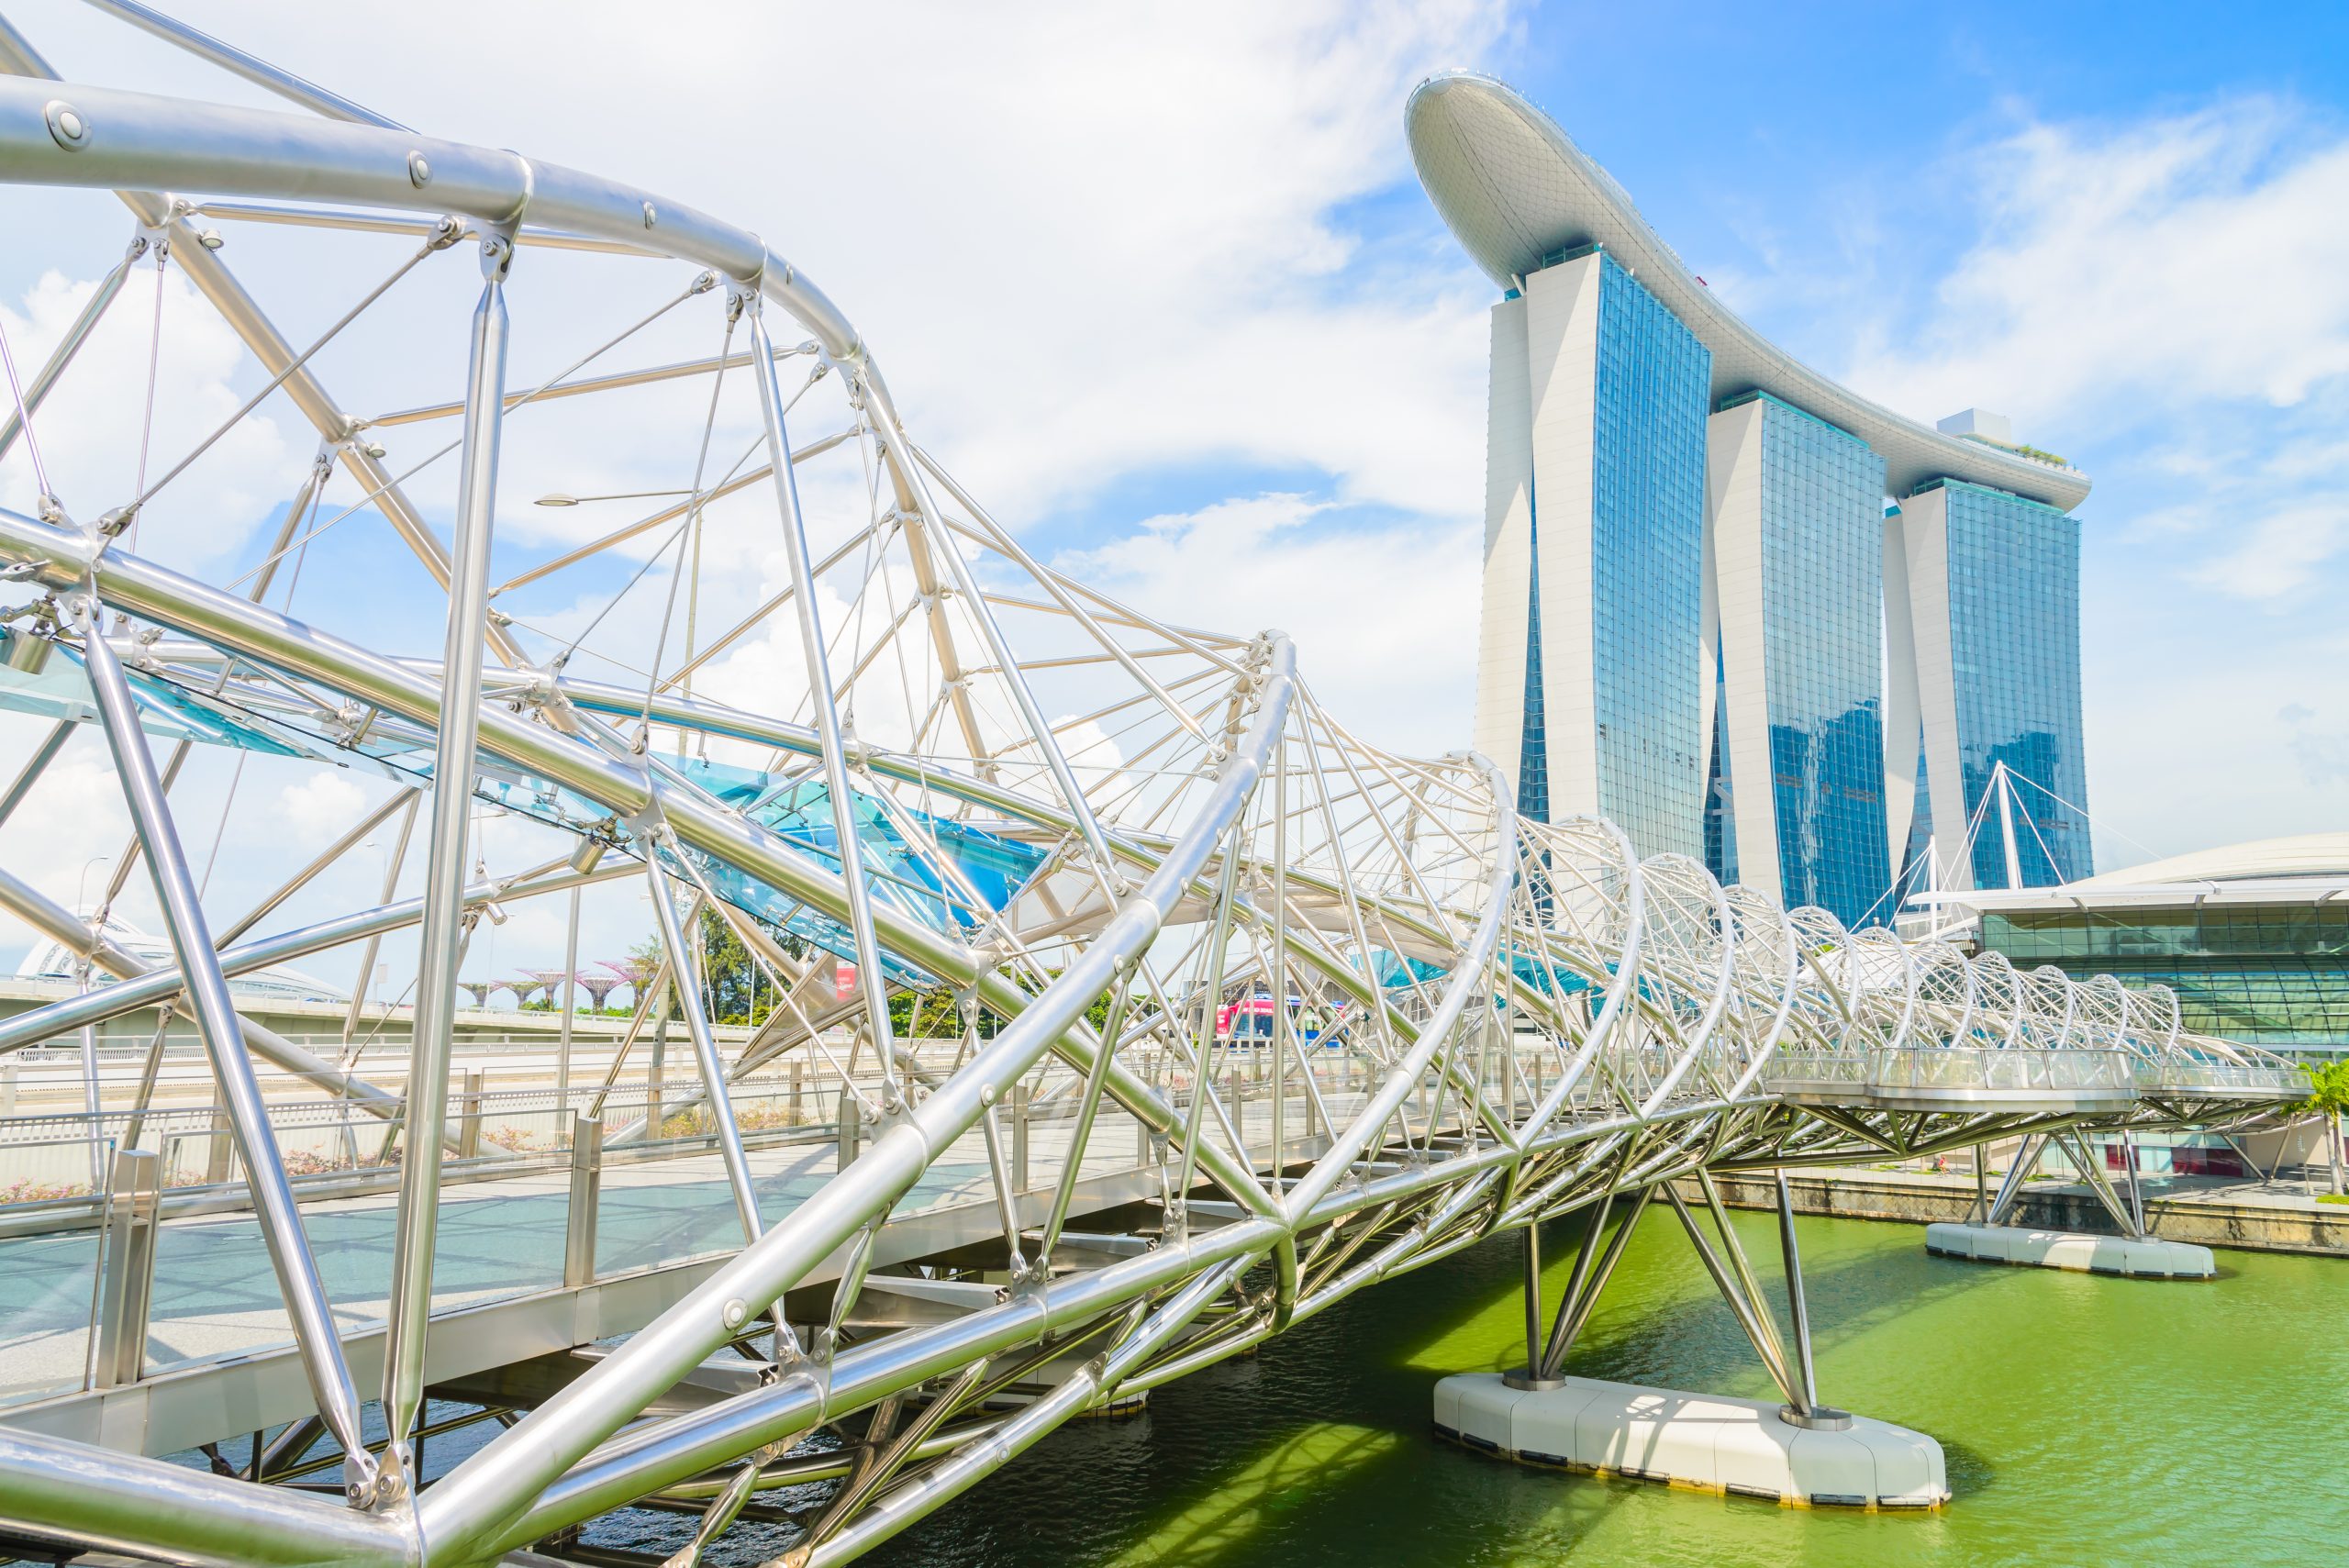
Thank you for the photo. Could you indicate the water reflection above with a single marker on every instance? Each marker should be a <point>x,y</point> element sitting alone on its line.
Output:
<point>2084,1419</point>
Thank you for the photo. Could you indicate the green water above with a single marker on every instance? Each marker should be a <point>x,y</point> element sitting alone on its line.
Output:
<point>2085,1420</point>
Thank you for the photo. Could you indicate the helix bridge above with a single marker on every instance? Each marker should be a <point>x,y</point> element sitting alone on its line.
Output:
<point>1008,857</point>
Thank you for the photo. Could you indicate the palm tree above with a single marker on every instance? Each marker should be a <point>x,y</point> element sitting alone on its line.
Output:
<point>2328,1098</point>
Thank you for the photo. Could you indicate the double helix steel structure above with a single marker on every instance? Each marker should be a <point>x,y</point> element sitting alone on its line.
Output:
<point>1121,1008</point>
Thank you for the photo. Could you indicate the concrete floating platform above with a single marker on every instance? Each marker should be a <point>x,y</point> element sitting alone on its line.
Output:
<point>2149,1258</point>
<point>1698,1440</point>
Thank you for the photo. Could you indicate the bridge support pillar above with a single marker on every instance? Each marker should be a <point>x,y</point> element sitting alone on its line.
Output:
<point>469,1115</point>
<point>1797,1311</point>
<point>1693,1441</point>
<point>852,1132</point>
<point>2145,1257</point>
<point>1019,1120</point>
<point>1531,1375</point>
<point>2010,1188</point>
<point>2135,1252</point>
<point>1795,1450</point>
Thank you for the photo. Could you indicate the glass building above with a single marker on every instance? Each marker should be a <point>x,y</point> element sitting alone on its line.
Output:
<point>1994,597</point>
<point>2268,974</point>
<point>1532,755</point>
<point>1647,519</point>
<point>2254,938</point>
<point>1789,704</point>
<point>1588,692</point>
<point>1797,553</point>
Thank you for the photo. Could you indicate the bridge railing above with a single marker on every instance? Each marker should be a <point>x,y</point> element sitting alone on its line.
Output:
<point>2175,1074</point>
<point>2008,1069</point>
<point>1957,1068</point>
<point>1791,1070</point>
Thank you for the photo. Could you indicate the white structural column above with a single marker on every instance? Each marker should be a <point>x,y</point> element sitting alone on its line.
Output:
<point>1902,719</point>
<point>444,873</point>
<point>1736,595</point>
<point>1562,360</point>
<point>1932,676</point>
<point>1508,546</point>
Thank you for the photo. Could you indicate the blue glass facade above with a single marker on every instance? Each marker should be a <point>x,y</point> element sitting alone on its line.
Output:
<point>2014,622</point>
<point>1533,740</point>
<point>1920,823</point>
<point>1720,811</point>
<point>2271,974</point>
<point>1822,609</point>
<point>1647,504</point>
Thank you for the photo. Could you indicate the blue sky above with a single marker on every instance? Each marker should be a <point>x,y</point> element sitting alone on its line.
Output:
<point>1872,186</point>
<point>1915,200</point>
<point>1158,283</point>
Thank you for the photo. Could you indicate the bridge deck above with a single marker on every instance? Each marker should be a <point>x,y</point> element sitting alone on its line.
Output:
<point>219,1354</point>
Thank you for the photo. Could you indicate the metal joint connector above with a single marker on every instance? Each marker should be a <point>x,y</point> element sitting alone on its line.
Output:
<point>497,257</point>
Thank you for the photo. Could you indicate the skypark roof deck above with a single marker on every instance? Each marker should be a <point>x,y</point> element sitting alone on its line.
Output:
<point>1515,190</point>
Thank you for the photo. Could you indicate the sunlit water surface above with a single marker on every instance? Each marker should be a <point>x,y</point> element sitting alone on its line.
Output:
<point>2085,1420</point>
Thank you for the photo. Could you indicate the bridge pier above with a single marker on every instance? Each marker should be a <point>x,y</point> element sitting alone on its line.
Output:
<point>2136,1252</point>
<point>1798,1450</point>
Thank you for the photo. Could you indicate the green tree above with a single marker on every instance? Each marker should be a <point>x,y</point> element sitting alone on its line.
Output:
<point>2329,1099</point>
<point>736,990</point>
<point>730,972</point>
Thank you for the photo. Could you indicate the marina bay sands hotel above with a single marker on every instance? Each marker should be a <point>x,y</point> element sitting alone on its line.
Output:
<point>1740,610</point>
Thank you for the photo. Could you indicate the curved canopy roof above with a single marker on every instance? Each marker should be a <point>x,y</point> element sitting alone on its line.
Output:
<point>1515,189</point>
<point>2308,868</point>
<point>2323,855</point>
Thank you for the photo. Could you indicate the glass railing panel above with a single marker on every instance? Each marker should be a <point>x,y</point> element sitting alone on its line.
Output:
<point>49,1278</point>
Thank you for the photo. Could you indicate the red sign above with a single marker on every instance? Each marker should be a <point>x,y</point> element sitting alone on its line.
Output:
<point>843,980</point>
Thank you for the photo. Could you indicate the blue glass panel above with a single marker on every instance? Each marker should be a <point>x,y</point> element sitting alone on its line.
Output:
<point>1650,397</point>
<point>1533,740</point>
<point>1822,609</point>
<point>1721,808</point>
<point>167,712</point>
<point>2014,623</point>
<point>901,875</point>
<point>2272,974</point>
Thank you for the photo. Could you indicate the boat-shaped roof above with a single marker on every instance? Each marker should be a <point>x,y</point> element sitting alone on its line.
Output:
<point>1515,189</point>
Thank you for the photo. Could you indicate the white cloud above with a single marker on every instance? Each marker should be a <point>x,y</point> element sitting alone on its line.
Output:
<point>319,808</point>
<point>1082,239</point>
<point>91,429</point>
<point>2154,268</point>
<point>2164,292</point>
<point>72,818</point>
<point>2278,556</point>
<point>1384,615</point>
<point>1122,245</point>
<point>2322,754</point>
<point>2160,299</point>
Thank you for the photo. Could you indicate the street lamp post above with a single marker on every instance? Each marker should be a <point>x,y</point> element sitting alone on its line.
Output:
<point>81,889</point>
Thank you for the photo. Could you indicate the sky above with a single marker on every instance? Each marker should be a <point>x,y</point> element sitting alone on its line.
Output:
<point>1158,282</point>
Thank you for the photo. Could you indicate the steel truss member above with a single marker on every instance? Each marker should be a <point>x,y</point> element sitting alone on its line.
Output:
<point>967,987</point>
